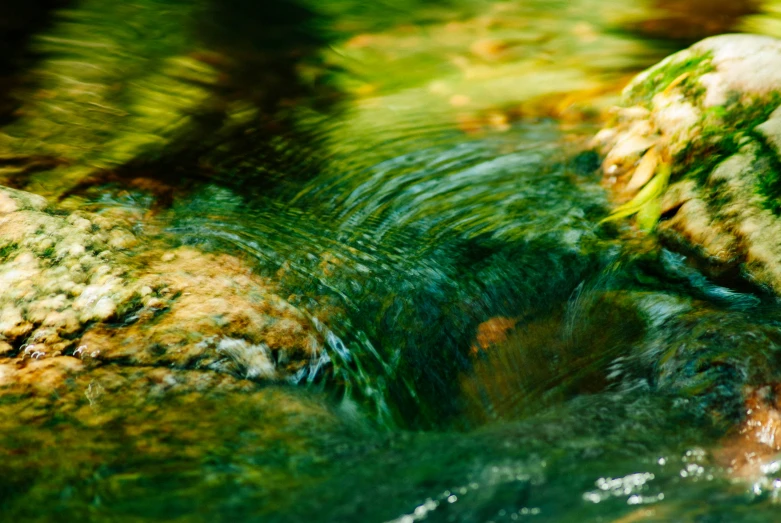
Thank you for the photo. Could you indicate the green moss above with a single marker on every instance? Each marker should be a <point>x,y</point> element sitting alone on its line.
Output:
<point>768,169</point>
<point>659,79</point>
<point>754,113</point>
<point>724,131</point>
<point>720,139</point>
<point>7,249</point>
<point>699,158</point>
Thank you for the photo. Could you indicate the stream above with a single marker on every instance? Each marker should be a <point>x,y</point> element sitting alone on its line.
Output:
<point>421,188</point>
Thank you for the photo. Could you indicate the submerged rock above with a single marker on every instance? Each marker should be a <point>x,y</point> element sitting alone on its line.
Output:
<point>86,286</point>
<point>710,114</point>
<point>140,441</point>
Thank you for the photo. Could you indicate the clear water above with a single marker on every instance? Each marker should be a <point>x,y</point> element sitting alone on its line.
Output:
<point>409,196</point>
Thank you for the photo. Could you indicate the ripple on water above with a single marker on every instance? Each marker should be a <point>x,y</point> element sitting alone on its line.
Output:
<point>413,252</point>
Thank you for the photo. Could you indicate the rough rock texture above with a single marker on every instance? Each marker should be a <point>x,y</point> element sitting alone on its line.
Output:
<point>710,113</point>
<point>87,286</point>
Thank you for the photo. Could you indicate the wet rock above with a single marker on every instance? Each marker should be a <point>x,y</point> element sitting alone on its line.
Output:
<point>71,289</point>
<point>76,432</point>
<point>711,113</point>
<point>492,332</point>
<point>207,311</point>
<point>521,366</point>
<point>12,200</point>
<point>751,451</point>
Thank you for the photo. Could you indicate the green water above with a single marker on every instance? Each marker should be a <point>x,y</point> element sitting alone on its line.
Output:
<point>401,197</point>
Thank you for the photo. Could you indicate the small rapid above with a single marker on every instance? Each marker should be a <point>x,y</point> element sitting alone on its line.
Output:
<point>414,181</point>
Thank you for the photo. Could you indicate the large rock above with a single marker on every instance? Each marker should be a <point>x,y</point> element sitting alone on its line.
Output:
<point>710,114</point>
<point>87,286</point>
<point>120,351</point>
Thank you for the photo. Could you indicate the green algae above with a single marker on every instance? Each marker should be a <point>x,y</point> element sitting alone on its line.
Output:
<point>661,77</point>
<point>425,245</point>
<point>768,169</point>
<point>722,132</point>
<point>7,249</point>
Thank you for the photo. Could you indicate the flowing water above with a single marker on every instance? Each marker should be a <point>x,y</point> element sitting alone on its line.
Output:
<point>421,188</point>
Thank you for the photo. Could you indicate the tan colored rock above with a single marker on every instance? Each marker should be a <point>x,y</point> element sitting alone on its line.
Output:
<point>677,119</point>
<point>85,285</point>
<point>751,452</point>
<point>7,204</point>
<point>693,225</point>
<point>12,200</point>
<point>209,311</point>
<point>748,64</point>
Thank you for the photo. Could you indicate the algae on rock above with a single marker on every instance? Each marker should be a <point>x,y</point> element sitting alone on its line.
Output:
<point>87,285</point>
<point>710,111</point>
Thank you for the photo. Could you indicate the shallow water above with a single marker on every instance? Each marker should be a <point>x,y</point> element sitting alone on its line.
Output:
<point>419,185</point>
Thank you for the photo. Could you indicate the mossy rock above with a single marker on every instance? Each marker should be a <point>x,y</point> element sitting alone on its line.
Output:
<point>709,113</point>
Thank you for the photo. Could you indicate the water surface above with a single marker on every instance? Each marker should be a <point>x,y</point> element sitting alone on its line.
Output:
<point>420,185</point>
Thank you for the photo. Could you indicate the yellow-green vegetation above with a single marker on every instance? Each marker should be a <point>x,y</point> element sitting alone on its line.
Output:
<point>766,21</point>
<point>111,432</point>
<point>669,74</point>
<point>129,84</point>
<point>472,72</point>
<point>647,204</point>
<point>114,83</point>
<point>121,83</point>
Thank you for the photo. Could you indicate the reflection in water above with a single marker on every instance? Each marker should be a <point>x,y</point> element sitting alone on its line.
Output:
<point>411,177</point>
<point>692,20</point>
